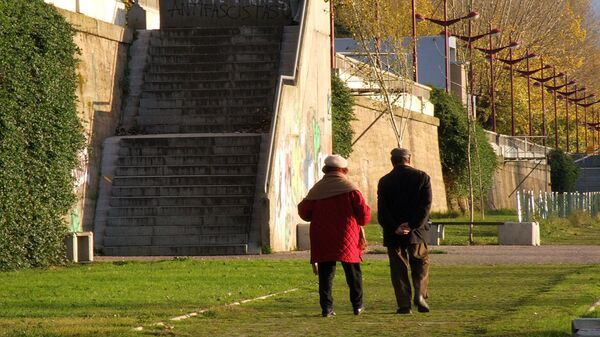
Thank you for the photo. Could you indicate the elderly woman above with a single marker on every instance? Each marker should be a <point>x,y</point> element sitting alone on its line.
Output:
<point>337,211</point>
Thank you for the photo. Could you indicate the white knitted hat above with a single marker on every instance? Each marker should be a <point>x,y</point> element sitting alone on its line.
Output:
<point>336,161</point>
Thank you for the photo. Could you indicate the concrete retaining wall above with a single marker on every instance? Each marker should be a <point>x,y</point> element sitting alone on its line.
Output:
<point>508,176</point>
<point>370,159</point>
<point>101,70</point>
<point>302,134</point>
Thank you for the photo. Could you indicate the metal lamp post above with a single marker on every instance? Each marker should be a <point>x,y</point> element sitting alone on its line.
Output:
<point>445,23</point>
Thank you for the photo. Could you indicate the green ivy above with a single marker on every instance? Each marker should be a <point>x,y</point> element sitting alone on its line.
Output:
<point>342,109</point>
<point>563,171</point>
<point>453,139</point>
<point>40,133</point>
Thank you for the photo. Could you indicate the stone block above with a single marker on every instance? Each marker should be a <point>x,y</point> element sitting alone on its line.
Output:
<point>80,246</point>
<point>436,234</point>
<point>585,327</point>
<point>303,236</point>
<point>519,233</point>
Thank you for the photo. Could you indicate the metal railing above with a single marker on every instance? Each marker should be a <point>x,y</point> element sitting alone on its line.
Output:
<point>534,206</point>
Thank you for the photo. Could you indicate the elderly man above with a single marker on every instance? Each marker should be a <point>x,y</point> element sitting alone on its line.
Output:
<point>404,201</point>
<point>336,211</point>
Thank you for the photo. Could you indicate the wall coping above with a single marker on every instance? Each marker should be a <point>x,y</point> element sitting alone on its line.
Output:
<point>85,24</point>
<point>367,103</point>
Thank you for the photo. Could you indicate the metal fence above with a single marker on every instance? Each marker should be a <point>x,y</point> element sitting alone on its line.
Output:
<point>532,206</point>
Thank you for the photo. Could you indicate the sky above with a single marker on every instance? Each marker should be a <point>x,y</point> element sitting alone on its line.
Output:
<point>596,4</point>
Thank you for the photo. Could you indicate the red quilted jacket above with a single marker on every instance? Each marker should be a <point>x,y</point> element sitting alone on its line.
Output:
<point>334,226</point>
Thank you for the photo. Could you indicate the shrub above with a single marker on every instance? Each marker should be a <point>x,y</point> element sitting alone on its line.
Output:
<point>453,139</point>
<point>342,112</point>
<point>563,171</point>
<point>40,133</point>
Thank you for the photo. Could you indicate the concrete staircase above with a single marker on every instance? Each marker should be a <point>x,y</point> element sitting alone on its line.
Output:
<point>589,173</point>
<point>187,184</point>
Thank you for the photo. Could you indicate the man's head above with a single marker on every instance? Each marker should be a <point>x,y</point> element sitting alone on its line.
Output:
<point>400,156</point>
<point>335,163</point>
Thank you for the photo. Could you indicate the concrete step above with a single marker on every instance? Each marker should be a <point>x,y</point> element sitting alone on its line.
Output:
<point>260,126</point>
<point>180,211</point>
<point>180,200</point>
<point>185,170</point>
<point>219,49</point>
<point>170,240</point>
<point>191,141</point>
<point>210,84</point>
<point>207,93</point>
<point>175,230</point>
<point>166,191</point>
<point>212,75</point>
<point>216,31</point>
<point>194,40</point>
<point>212,65</point>
<point>189,151</point>
<point>199,111</point>
<point>247,159</point>
<point>205,121</point>
<point>184,181</point>
<point>206,250</point>
<point>216,220</point>
<point>197,58</point>
<point>160,103</point>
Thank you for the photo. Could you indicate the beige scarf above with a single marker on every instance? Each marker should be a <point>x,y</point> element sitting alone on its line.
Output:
<point>333,183</point>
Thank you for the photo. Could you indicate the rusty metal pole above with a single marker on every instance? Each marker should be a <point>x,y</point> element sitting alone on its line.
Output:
<point>567,116</point>
<point>543,107</point>
<point>576,123</point>
<point>446,47</point>
<point>512,91</point>
<point>414,36</point>
<point>492,86</point>
<point>555,112</point>
<point>529,97</point>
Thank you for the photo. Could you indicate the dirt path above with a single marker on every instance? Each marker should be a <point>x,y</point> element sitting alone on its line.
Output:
<point>448,255</point>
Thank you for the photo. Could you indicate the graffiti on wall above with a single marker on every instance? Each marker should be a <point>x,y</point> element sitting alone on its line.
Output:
<point>234,10</point>
<point>297,166</point>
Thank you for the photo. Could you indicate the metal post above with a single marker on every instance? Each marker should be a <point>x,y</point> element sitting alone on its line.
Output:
<point>567,115</point>
<point>414,33</point>
<point>576,123</point>
<point>529,97</point>
<point>512,93</point>
<point>543,107</point>
<point>586,126</point>
<point>492,87</point>
<point>332,34</point>
<point>555,113</point>
<point>446,48</point>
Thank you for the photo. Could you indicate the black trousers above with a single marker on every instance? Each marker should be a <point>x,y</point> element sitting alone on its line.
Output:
<point>401,257</point>
<point>353,279</point>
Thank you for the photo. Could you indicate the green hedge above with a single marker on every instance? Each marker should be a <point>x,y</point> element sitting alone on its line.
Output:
<point>342,110</point>
<point>563,172</point>
<point>40,133</point>
<point>453,139</point>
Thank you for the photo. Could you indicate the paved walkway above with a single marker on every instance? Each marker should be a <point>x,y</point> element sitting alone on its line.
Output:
<point>476,255</point>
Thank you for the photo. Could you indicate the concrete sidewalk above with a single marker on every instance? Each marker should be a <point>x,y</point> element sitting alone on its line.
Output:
<point>445,255</point>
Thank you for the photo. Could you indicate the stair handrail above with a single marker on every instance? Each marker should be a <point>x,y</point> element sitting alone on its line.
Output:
<point>283,79</point>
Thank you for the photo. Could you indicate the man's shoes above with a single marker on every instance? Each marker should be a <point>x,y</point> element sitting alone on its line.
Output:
<point>358,311</point>
<point>422,306</point>
<point>329,313</point>
<point>403,311</point>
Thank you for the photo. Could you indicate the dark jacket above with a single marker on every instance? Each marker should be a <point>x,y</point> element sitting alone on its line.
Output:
<point>404,195</point>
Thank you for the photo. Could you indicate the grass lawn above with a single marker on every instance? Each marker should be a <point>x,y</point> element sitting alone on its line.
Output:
<point>111,299</point>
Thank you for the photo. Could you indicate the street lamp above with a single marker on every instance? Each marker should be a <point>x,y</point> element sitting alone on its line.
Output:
<point>565,95</point>
<point>540,82</point>
<point>577,100</point>
<point>553,89</point>
<point>511,62</point>
<point>527,73</point>
<point>445,23</point>
<point>490,53</point>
